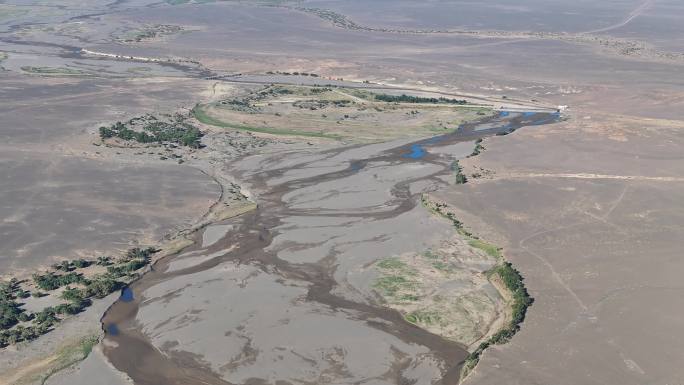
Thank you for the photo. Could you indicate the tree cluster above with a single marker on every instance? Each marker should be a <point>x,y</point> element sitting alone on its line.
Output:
<point>51,281</point>
<point>78,293</point>
<point>458,170</point>
<point>478,148</point>
<point>155,131</point>
<point>72,265</point>
<point>403,98</point>
<point>10,310</point>
<point>521,301</point>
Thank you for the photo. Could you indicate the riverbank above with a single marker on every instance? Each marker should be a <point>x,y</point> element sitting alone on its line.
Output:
<point>503,276</point>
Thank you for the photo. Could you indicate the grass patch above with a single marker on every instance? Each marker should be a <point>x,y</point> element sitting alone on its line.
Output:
<point>430,255</point>
<point>52,71</point>
<point>201,115</point>
<point>389,286</point>
<point>397,284</point>
<point>408,298</point>
<point>423,317</point>
<point>488,248</point>
<point>391,263</point>
<point>441,266</point>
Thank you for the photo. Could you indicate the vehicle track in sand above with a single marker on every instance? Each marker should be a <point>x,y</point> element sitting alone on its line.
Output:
<point>638,11</point>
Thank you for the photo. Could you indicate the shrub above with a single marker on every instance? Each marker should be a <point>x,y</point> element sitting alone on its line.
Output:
<point>416,99</point>
<point>51,281</point>
<point>101,287</point>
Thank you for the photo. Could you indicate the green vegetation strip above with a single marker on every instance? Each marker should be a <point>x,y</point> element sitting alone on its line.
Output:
<point>478,148</point>
<point>510,277</point>
<point>488,248</point>
<point>52,70</point>
<point>521,301</point>
<point>202,116</point>
<point>70,355</point>
<point>403,98</point>
<point>458,171</point>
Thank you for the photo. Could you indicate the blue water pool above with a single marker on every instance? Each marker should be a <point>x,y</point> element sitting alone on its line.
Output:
<point>112,330</point>
<point>126,295</point>
<point>417,152</point>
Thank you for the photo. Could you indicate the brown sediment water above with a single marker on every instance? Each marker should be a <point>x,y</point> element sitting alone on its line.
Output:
<point>263,240</point>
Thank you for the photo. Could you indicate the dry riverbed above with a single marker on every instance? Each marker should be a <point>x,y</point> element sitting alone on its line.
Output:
<point>328,264</point>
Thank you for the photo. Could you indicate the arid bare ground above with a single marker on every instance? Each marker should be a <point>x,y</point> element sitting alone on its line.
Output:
<point>613,98</point>
<point>63,197</point>
<point>590,216</point>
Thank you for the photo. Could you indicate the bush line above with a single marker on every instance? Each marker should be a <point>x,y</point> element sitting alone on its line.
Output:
<point>511,279</point>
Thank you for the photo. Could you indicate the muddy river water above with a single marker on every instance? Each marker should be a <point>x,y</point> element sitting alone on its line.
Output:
<point>284,294</point>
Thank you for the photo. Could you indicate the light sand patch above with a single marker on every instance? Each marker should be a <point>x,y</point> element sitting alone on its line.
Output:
<point>214,233</point>
<point>190,261</point>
